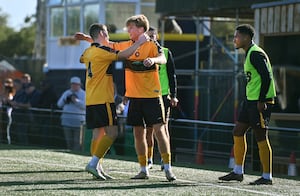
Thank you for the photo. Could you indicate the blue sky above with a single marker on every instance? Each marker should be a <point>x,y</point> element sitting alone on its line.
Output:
<point>17,11</point>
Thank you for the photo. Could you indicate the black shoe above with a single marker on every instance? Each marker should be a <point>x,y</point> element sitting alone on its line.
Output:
<point>261,181</point>
<point>170,176</point>
<point>232,176</point>
<point>141,175</point>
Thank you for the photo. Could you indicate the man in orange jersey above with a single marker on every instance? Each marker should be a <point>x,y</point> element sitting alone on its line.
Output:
<point>144,92</point>
<point>100,106</point>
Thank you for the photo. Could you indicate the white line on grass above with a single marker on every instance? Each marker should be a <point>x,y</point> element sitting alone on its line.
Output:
<point>130,173</point>
<point>207,184</point>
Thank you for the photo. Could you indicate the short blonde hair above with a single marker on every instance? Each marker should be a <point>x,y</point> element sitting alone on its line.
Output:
<point>139,21</point>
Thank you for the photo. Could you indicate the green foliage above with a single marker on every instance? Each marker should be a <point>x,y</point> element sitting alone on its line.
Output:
<point>4,29</point>
<point>13,43</point>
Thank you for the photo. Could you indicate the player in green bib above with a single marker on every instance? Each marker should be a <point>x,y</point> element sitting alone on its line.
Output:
<point>255,111</point>
<point>168,85</point>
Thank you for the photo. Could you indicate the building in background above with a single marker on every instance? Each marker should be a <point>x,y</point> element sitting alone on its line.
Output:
<point>66,17</point>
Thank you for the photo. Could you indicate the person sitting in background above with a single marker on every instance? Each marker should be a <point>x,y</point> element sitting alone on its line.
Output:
<point>72,101</point>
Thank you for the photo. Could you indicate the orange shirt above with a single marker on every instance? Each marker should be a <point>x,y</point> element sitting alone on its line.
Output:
<point>141,81</point>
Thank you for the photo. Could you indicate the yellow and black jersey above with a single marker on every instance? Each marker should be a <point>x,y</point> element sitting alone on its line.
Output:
<point>141,81</point>
<point>99,82</point>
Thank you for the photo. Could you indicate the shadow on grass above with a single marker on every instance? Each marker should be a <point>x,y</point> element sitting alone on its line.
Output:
<point>118,186</point>
<point>40,171</point>
<point>39,182</point>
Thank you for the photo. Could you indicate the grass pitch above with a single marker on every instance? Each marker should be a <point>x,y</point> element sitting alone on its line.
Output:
<point>58,172</point>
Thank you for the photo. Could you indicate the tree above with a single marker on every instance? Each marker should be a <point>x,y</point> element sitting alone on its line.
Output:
<point>14,43</point>
<point>4,29</point>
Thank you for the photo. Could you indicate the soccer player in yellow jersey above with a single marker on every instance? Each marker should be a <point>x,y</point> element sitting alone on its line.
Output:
<point>143,89</point>
<point>100,107</point>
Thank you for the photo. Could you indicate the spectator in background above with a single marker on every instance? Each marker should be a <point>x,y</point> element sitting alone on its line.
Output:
<point>26,79</point>
<point>26,97</point>
<point>6,97</point>
<point>48,100</point>
<point>72,101</point>
<point>20,117</point>
<point>33,95</point>
<point>48,97</point>
<point>33,102</point>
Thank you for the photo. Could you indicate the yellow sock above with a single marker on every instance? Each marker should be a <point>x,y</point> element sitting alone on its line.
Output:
<point>166,157</point>
<point>150,152</point>
<point>103,146</point>
<point>240,149</point>
<point>265,154</point>
<point>142,160</point>
<point>92,146</point>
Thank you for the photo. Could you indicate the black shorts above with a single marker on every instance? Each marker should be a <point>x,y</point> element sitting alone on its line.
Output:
<point>145,111</point>
<point>167,105</point>
<point>101,115</point>
<point>249,114</point>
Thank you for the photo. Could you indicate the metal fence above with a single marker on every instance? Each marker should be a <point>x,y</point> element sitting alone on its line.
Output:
<point>192,141</point>
<point>206,142</point>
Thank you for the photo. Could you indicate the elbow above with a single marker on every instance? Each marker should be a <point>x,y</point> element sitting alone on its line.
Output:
<point>122,56</point>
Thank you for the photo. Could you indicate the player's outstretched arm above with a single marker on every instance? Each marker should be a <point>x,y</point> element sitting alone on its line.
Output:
<point>84,37</point>
<point>129,51</point>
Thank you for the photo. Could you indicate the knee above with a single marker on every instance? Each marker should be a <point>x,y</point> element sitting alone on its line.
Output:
<point>149,133</point>
<point>113,133</point>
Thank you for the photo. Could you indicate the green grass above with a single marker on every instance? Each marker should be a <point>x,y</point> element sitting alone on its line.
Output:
<point>26,171</point>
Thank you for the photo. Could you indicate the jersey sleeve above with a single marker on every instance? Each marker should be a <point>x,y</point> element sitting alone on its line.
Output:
<point>171,75</point>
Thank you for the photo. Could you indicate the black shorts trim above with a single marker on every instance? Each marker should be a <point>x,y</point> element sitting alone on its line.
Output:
<point>249,114</point>
<point>101,115</point>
